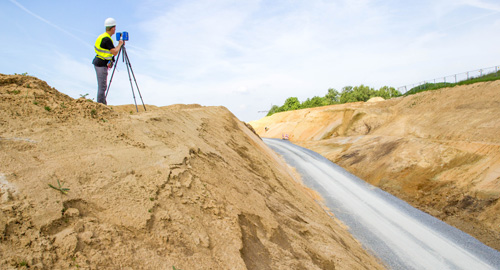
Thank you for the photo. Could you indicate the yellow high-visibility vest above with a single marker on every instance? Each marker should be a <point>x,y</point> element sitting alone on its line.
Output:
<point>102,53</point>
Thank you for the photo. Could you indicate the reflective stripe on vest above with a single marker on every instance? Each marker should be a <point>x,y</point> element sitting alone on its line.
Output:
<point>102,53</point>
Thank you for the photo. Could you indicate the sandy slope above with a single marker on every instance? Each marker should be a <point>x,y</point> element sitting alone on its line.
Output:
<point>438,150</point>
<point>184,186</point>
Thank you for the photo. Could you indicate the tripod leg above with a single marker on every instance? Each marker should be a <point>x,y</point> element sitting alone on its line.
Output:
<point>136,85</point>
<point>114,68</point>
<point>127,63</point>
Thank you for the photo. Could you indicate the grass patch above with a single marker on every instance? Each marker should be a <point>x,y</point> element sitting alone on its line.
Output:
<point>434,86</point>
<point>15,92</point>
<point>60,188</point>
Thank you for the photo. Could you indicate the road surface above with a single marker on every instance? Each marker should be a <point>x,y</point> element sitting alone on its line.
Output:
<point>403,237</point>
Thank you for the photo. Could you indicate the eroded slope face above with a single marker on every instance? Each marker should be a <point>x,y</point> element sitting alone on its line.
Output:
<point>438,150</point>
<point>184,186</point>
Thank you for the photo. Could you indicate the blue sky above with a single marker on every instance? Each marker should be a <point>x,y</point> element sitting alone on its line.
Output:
<point>249,55</point>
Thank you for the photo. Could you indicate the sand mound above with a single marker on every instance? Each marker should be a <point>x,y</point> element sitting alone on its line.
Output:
<point>438,150</point>
<point>375,99</point>
<point>185,186</point>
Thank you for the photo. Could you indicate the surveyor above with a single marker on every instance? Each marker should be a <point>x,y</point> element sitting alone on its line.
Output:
<point>105,51</point>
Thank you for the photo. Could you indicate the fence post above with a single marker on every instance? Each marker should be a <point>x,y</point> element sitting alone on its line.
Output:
<point>481,72</point>
<point>455,78</point>
<point>467,75</point>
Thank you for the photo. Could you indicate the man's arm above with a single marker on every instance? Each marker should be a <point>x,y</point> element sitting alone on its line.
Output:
<point>116,49</point>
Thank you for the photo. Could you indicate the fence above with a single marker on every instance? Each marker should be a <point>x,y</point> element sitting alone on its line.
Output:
<point>455,78</point>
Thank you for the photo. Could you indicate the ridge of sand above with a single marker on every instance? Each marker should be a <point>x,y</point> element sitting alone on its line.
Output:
<point>438,150</point>
<point>185,186</point>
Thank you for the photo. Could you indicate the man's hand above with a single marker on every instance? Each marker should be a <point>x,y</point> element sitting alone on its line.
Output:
<point>116,49</point>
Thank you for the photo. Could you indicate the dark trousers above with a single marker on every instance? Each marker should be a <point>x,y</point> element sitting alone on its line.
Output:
<point>102,77</point>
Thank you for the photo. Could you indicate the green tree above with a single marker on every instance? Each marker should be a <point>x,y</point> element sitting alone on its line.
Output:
<point>313,102</point>
<point>332,97</point>
<point>347,95</point>
<point>291,103</point>
<point>363,93</point>
<point>274,109</point>
<point>357,93</point>
<point>387,92</point>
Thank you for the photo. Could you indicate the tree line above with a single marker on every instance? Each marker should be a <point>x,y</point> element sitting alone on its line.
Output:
<point>347,95</point>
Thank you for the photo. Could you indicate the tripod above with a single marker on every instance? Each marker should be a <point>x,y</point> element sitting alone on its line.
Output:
<point>129,69</point>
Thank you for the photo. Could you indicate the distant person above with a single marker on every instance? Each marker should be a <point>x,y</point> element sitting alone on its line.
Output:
<point>105,51</point>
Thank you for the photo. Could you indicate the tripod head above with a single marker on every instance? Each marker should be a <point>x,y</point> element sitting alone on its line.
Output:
<point>122,36</point>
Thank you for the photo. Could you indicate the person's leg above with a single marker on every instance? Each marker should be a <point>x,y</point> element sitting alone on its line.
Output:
<point>102,77</point>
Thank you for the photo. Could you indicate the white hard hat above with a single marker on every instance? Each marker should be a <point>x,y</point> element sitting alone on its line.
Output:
<point>109,22</point>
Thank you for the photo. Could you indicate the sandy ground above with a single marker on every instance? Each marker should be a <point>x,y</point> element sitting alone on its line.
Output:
<point>185,186</point>
<point>438,150</point>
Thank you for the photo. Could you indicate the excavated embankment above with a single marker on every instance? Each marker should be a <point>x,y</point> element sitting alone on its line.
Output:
<point>438,150</point>
<point>185,186</point>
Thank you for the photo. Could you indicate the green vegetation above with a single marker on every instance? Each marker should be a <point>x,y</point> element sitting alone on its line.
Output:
<point>23,263</point>
<point>60,188</point>
<point>15,92</point>
<point>74,262</point>
<point>433,86</point>
<point>348,94</point>
<point>364,93</point>
<point>47,108</point>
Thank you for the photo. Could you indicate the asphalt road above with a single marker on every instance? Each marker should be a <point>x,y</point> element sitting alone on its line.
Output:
<point>402,236</point>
